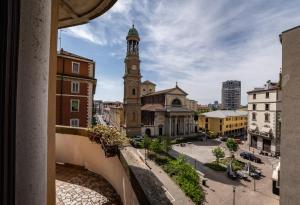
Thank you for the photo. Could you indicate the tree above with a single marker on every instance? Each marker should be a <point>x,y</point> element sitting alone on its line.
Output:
<point>166,144</point>
<point>155,146</point>
<point>218,153</point>
<point>232,146</point>
<point>146,142</point>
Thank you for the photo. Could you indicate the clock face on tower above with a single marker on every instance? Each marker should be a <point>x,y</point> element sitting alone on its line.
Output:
<point>133,67</point>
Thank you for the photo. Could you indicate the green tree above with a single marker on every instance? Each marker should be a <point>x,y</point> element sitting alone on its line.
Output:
<point>166,144</point>
<point>146,142</point>
<point>232,145</point>
<point>218,153</point>
<point>155,146</point>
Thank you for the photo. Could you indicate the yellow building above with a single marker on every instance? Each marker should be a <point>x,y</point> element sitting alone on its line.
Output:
<point>224,122</point>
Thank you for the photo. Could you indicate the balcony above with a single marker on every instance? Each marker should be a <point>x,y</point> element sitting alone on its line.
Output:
<point>84,173</point>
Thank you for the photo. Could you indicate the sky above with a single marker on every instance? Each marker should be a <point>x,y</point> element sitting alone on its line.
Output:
<point>197,43</point>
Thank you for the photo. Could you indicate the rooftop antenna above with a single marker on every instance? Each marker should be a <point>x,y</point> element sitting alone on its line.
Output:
<point>59,37</point>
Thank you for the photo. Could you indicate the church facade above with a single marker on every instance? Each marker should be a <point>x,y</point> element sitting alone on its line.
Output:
<point>166,113</point>
<point>162,113</point>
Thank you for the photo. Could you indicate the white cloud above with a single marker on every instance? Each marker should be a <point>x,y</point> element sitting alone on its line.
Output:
<point>197,43</point>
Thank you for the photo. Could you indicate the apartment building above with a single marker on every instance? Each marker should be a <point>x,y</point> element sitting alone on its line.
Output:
<point>75,89</point>
<point>224,122</point>
<point>264,118</point>
<point>231,95</point>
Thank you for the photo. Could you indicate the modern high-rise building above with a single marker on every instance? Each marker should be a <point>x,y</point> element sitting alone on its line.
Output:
<point>231,95</point>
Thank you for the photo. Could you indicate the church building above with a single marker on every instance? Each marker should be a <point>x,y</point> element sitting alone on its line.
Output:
<point>146,111</point>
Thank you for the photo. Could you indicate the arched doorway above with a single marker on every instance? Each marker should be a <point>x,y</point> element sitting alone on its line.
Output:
<point>148,132</point>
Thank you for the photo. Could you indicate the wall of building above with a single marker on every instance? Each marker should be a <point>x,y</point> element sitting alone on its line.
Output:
<point>79,150</point>
<point>147,88</point>
<point>170,98</point>
<point>64,65</point>
<point>290,140</point>
<point>63,116</point>
<point>228,124</point>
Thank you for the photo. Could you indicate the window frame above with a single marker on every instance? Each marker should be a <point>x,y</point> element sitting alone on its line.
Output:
<point>267,114</point>
<point>253,106</point>
<point>254,96</point>
<point>77,63</point>
<point>74,120</point>
<point>267,105</point>
<point>71,101</point>
<point>75,82</point>
<point>253,118</point>
<point>267,95</point>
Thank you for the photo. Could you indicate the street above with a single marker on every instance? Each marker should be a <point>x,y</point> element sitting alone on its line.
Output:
<point>219,189</point>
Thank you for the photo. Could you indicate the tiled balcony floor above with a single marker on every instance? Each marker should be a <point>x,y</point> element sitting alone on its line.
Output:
<point>78,186</point>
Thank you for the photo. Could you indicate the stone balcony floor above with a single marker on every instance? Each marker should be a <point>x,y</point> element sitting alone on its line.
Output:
<point>78,186</point>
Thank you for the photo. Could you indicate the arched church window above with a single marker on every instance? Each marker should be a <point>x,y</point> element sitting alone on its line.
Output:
<point>133,91</point>
<point>176,103</point>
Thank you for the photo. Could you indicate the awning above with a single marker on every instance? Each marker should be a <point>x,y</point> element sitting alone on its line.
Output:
<point>266,130</point>
<point>253,127</point>
<point>275,172</point>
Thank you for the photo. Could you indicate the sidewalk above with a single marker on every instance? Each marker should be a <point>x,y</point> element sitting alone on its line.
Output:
<point>173,191</point>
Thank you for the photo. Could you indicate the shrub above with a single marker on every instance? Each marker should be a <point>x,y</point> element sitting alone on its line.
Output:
<point>218,153</point>
<point>236,164</point>
<point>215,166</point>
<point>155,146</point>
<point>186,177</point>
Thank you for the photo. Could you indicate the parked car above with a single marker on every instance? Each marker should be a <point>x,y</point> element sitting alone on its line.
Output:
<point>238,141</point>
<point>252,171</point>
<point>250,156</point>
<point>223,138</point>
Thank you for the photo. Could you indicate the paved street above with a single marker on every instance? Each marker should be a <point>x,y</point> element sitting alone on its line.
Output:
<point>220,187</point>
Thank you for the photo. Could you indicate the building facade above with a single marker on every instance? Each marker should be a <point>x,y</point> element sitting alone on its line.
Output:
<point>224,123</point>
<point>231,95</point>
<point>192,105</point>
<point>290,140</point>
<point>166,113</point>
<point>264,118</point>
<point>132,85</point>
<point>116,117</point>
<point>147,87</point>
<point>98,107</point>
<point>75,89</point>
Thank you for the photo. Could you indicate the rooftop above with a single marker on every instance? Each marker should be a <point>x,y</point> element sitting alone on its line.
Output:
<point>148,82</point>
<point>66,53</point>
<point>166,91</point>
<point>268,86</point>
<point>225,113</point>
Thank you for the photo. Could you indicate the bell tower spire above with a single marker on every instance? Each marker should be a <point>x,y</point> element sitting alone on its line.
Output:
<point>132,85</point>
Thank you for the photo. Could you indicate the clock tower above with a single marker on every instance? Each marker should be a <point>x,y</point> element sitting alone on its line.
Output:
<point>132,85</point>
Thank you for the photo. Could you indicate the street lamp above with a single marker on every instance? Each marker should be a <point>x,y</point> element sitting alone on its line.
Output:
<point>233,190</point>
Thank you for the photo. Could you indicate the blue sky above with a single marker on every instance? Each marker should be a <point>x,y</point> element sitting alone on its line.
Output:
<point>197,43</point>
